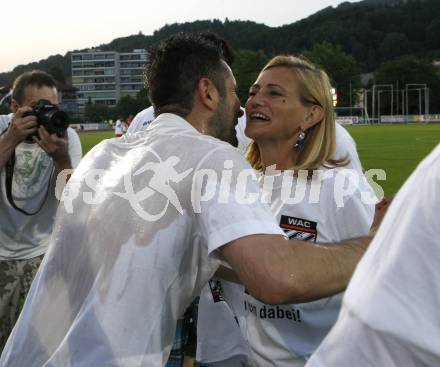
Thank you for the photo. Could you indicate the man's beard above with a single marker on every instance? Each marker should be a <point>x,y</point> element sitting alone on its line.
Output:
<point>221,126</point>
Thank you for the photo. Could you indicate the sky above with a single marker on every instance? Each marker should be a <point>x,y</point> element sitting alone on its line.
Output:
<point>34,30</point>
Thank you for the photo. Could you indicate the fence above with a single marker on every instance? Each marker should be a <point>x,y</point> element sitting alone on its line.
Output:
<point>91,126</point>
<point>388,119</point>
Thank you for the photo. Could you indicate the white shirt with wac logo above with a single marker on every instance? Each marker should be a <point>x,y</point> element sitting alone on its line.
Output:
<point>21,236</point>
<point>132,248</point>
<point>286,335</point>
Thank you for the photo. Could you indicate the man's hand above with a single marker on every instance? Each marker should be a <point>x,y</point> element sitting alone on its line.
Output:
<point>54,146</point>
<point>381,210</point>
<point>57,148</point>
<point>21,127</point>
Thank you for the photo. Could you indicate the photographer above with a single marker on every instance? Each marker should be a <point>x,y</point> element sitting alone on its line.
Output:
<point>30,159</point>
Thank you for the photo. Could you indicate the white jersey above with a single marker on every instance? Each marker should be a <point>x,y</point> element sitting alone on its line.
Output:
<point>286,335</point>
<point>119,129</point>
<point>111,296</point>
<point>390,312</point>
<point>208,328</point>
<point>141,120</point>
<point>33,186</point>
<point>346,147</point>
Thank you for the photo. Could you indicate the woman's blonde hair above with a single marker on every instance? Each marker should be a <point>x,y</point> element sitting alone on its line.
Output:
<point>314,89</point>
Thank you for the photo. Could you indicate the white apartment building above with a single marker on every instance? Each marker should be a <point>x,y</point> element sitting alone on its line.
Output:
<point>105,76</point>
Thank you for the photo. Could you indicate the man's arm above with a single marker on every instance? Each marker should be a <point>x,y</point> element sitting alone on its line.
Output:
<point>278,271</point>
<point>19,128</point>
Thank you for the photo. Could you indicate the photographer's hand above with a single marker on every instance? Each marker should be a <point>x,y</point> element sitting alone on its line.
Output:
<point>19,129</point>
<point>56,147</point>
<point>21,126</point>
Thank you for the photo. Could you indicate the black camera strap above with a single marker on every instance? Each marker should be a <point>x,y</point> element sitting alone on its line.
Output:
<point>8,183</point>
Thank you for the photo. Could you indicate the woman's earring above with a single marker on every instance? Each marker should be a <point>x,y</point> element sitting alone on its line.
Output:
<point>301,140</point>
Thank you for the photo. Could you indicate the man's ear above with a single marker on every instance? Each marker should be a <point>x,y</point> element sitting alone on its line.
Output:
<point>207,93</point>
<point>315,114</point>
<point>14,106</point>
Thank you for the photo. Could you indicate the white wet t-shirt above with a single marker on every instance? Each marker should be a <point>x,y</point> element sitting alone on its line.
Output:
<point>216,319</point>
<point>136,238</point>
<point>390,312</point>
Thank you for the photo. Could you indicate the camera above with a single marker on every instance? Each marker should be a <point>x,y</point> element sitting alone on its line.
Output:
<point>50,116</point>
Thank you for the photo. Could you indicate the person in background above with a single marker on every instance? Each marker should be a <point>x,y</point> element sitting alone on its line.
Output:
<point>119,127</point>
<point>30,160</point>
<point>141,121</point>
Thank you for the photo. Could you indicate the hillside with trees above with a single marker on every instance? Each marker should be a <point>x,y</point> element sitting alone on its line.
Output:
<point>363,36</point>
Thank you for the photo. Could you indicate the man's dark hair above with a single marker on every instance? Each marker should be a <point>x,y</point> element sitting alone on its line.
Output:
<point>175,67</point>
<point>227,51</point>
<point>36,78</point>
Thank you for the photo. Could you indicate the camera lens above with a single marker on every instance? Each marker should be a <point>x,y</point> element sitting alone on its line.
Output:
<point>58,122</point>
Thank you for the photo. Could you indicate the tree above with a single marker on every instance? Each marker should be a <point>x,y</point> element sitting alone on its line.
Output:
<point>394,44</point>
<point>97,112</point>
<point>57,73</point>
<point>246,67</point>
<point>4,110</point>
<point>371,59</point>
<point>433,34</point>
<point>342,69</point>
<point>128,105</point>
<point>411,71</point>
<point>142,100</point>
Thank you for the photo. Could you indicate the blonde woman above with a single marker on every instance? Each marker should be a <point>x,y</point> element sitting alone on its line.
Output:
<point>313,195</point>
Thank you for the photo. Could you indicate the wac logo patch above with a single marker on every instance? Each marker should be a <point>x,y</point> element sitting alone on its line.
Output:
<point>298,228</point>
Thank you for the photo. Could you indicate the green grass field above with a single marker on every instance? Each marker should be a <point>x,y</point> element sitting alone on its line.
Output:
<point>90,139</point>
<point>397,149</point>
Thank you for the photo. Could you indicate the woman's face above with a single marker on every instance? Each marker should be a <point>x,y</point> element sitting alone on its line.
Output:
<point>274,110</point>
